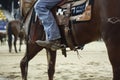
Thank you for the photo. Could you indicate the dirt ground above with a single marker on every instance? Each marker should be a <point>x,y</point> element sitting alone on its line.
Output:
<point>93,64</point>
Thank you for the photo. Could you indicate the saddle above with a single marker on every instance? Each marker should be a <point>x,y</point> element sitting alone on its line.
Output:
<point>76,10</point>
<point>73,11</point>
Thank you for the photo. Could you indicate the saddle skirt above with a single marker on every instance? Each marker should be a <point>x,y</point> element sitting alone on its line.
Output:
<point>80,10</point>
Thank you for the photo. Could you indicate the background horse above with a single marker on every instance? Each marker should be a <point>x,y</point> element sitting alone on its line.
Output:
<point>105,22</point>
<point>14,28</point>
<point>2,37</point>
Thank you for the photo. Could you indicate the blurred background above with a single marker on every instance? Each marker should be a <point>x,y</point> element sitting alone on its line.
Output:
<point>9,9</point>
<point>9,5</point>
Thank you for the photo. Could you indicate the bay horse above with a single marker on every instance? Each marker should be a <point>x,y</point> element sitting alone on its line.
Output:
<point>2,37</point>
<point>14,29</point>
<point>104,22</point>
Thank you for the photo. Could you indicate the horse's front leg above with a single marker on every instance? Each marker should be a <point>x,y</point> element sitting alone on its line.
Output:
<point>31,51</point>
<point>24,67</point>
<point>51,56</point>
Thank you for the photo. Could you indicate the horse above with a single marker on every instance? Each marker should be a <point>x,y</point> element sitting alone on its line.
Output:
<point>2,37</point>
<point>14,28</point>
<point>104,23</point>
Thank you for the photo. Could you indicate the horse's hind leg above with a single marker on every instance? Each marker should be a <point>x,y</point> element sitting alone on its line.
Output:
<point>15,40</point>
<point>22,37</point>
<point>10,43</point>
<point>114,56</point>
<point>31,51</point>
<point>51,56</point>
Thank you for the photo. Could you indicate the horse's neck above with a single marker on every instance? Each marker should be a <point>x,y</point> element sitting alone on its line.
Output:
<point>25,6</point>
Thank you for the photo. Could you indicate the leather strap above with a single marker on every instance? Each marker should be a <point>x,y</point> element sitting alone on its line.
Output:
<point>68,33</point>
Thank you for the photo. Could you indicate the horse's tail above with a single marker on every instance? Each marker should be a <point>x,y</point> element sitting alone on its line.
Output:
<point>9,34</point>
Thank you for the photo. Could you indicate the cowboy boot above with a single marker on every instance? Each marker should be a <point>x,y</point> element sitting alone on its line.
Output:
<point>52,44</point>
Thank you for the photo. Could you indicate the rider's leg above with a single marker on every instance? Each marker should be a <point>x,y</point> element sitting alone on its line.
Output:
<point>50,26</point>
<point>42,9</point>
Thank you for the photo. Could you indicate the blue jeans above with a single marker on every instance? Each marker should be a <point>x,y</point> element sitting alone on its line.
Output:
<point>42,8</point>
